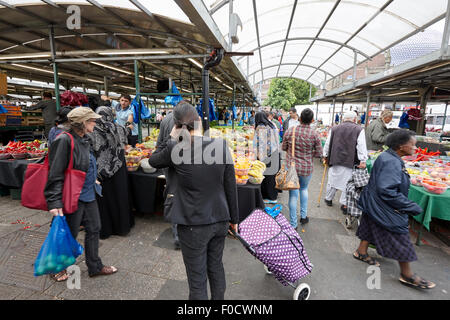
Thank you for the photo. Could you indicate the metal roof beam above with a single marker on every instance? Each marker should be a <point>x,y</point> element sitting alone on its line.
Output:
<point>257,37</point>
<point>313,39</point>
<point>357,31</point>
<point>318,33</point>
<point>292,64</point>
<point>287,33</point>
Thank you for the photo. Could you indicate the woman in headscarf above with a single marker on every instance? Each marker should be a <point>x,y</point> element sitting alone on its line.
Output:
<point>268,145</point>
<point>108,141</point>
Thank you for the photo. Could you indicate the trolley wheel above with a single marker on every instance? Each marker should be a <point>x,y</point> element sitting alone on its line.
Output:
<point>348,222</point>
<point>267,270</point>
<point>302,292</point>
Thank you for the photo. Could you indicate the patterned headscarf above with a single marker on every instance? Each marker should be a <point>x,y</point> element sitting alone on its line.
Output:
<point>108,141</point>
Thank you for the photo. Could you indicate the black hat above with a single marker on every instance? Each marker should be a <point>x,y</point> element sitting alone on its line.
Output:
<point>62,115</point>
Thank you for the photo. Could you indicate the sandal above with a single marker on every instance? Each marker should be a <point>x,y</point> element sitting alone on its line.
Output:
<point>366,258</point>
<point>416,282</point>
<point>106,271</point>
<point>60,276</point>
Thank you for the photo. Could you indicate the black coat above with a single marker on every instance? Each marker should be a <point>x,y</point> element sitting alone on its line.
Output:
<point>205,193</point>
<point>59,157</point>
<point>385,198</point>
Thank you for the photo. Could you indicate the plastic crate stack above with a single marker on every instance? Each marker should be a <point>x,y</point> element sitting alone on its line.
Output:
<point>13,117</point>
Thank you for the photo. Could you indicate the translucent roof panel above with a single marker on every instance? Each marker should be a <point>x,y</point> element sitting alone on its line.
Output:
<point>323,34</point>
<point>170,9</point>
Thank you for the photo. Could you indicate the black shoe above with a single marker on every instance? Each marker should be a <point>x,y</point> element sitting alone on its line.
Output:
<point>344,209</point>
<point>177,245</point>
<point>329,202</point>
<point>304,221</point>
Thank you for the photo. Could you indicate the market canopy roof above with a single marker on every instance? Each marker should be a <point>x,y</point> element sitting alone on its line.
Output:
<point>172,45</point>
<point>316,40</point>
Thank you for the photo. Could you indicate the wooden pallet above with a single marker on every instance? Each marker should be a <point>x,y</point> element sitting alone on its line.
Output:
<point>32,121</point>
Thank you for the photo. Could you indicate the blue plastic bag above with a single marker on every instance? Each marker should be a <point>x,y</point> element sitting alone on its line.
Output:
<point>173,99</point>
<point>212,113</point>
<point>275,211</point>
<point>139,107</point>
<point>59,251</point>
<point>2,109</point>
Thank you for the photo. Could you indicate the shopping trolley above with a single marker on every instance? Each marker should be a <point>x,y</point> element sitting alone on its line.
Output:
<point>269,237</point>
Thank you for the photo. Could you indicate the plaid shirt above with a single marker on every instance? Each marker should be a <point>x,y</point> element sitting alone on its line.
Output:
<point>307,145</point>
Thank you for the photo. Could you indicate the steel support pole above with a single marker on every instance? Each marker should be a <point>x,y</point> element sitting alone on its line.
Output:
<point>445,116</point>
<point>205,102</point>
<point>367,108</point>
<point>232,105</point>
<point>317,110</point>
<point>342,112</point>
<point>55,68</point>
<point>332,116</point>
<point>105,81</point>
<point>138,98</point>
<point>354,66</point>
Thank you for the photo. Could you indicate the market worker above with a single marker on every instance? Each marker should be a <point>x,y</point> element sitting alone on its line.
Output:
<point>377,131</point>
<point>82,121</point>
<point>345,148</point>
<point>124,116</point>
<point>291,121</point>
<point>386,210</point>
<point>251,119</point>
<point>205,202</point>
<point>48,106</point>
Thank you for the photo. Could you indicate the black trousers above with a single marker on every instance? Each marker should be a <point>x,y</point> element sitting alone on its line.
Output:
<point>268,189</point>
<point>202,248</point>
<point>88,215</point>
<point>132,140</point>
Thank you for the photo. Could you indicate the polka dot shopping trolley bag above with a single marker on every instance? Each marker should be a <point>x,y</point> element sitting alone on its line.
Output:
<point>268,236</point>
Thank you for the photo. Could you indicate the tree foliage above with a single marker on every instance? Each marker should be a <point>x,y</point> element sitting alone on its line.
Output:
<point>286,93</point>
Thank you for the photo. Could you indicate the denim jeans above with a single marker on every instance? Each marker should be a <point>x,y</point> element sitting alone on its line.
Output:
<point>293,199</point>
<point>202,249</point>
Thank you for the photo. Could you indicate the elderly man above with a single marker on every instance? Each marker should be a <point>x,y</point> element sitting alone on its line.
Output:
<point>345,148</point>
<point>377,131</point>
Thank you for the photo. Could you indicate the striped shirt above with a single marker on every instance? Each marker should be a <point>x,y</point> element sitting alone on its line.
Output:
<point>306,146</point>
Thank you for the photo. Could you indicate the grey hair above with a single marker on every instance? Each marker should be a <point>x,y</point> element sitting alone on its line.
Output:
<point>76,126</point>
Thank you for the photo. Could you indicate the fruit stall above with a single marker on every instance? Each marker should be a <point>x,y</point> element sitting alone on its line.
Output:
<point>249,171</point>
<point>433,142</point>
<point>430,181</point>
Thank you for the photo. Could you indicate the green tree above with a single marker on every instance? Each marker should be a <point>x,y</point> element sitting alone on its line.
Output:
<point>280,95</point>
<point>301,90</point>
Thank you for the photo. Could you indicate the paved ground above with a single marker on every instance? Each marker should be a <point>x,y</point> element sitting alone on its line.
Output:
<point>149,267</point>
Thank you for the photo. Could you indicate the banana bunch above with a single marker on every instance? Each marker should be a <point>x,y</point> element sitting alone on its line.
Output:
<point>258,165</point>
<point>255,173</point>
<point>257,169</point>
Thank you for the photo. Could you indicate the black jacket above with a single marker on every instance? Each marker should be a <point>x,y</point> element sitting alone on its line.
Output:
<point>205,193</point>
<point>59,157</point>
<point>385,198</point>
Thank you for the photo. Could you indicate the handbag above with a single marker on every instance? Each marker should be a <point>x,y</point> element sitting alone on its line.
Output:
<point>36,177</point>
<point>287,179</point>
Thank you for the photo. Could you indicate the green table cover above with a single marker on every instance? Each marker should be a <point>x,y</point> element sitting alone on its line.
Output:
<point>433,205</point>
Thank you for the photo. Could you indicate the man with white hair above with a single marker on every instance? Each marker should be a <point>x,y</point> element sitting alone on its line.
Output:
<point>345,148</point>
